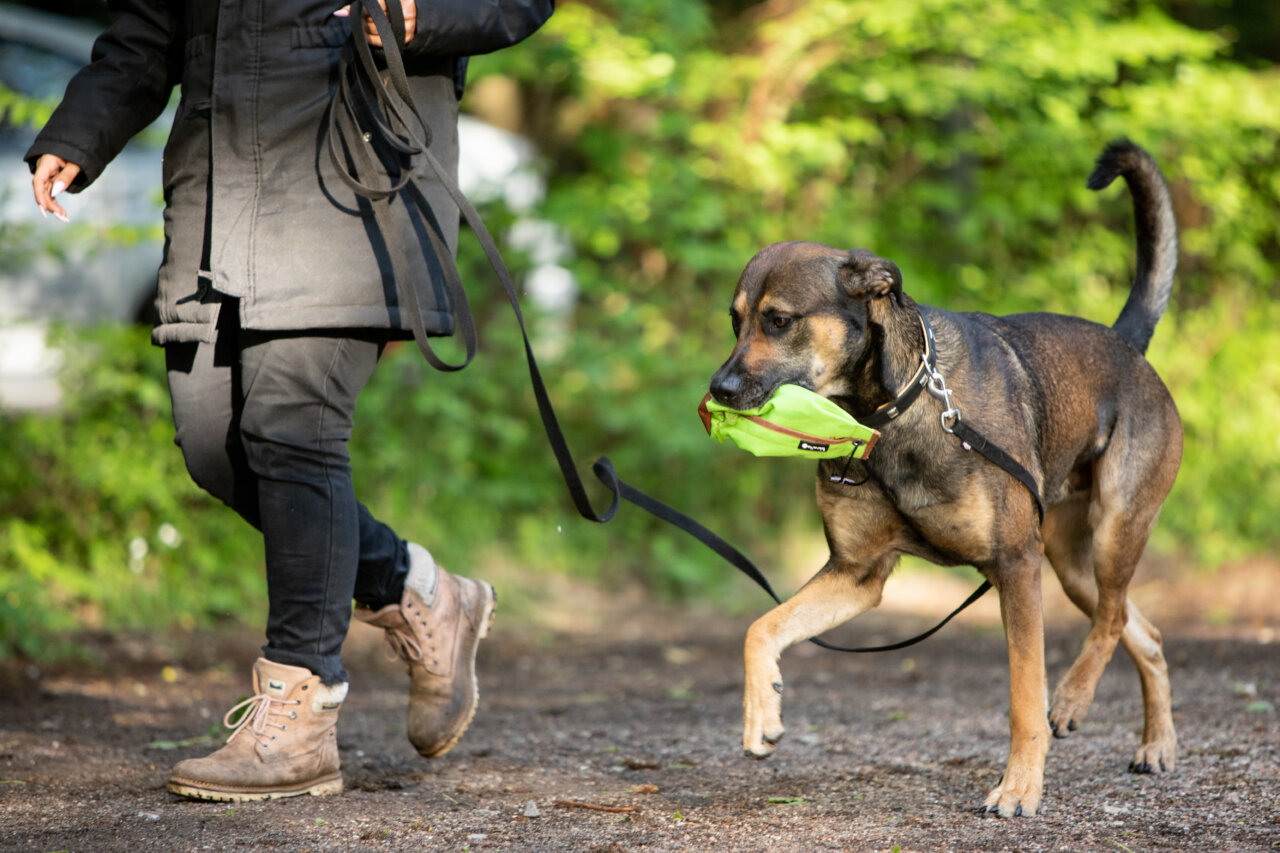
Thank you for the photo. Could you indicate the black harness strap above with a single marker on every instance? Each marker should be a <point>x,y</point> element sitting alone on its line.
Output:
<point>969,437</point>
<point>362,108</point>
<point>997,456</point>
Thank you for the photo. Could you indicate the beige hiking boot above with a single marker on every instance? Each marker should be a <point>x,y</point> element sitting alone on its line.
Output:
<point>436,629</point>
<point>285,742</point>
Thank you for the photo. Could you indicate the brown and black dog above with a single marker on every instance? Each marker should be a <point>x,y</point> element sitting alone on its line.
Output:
<point>1074,402</point>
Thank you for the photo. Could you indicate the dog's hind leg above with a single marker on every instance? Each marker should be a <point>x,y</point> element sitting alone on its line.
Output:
<point>1103,537</point>
<point>832,597</point>
<point>1159,740</point>
<point>1068,545</point>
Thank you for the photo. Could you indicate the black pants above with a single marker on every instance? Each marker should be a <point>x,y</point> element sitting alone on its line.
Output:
<point>263,420</point>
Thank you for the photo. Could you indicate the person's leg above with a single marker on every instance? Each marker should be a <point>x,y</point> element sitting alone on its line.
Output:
<point>299,401</point>
<point>285,743</point>
<point>384,563</point>
<point>205,387</point>
<point>263,421</point>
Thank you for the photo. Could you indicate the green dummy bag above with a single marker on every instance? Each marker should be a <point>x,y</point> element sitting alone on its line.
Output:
<point>793,422</point>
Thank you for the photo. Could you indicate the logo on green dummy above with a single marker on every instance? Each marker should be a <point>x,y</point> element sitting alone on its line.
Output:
<point>793,422</point>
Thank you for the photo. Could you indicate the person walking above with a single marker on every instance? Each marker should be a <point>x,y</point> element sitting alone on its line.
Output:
<point>280,286</point>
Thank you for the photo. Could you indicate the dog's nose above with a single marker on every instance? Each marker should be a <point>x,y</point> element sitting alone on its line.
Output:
<point>726,385</point>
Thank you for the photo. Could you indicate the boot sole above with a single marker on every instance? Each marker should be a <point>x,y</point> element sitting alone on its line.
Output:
<point>486,621</point>
<point>196,791</point>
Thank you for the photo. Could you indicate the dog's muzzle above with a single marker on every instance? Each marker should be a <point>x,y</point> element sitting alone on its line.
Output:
<point>792,422</point>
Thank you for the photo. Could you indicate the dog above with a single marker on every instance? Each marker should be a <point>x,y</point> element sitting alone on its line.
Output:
<point>1075,403</point>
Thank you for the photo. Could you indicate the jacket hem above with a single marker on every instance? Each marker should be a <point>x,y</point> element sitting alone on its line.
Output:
<point>436,323</point>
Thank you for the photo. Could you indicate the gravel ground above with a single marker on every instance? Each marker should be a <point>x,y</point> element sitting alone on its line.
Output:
<point>622,735</point>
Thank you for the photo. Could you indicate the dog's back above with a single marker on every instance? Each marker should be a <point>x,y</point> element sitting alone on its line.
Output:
<point>1090,382</point>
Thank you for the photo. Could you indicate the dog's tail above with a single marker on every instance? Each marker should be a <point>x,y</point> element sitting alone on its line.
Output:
<point>1157,237</point>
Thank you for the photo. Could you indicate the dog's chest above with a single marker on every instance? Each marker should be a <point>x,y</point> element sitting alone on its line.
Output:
<point>947,526</point>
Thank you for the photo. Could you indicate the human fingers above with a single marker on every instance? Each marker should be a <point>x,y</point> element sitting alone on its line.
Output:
<point>52,175</point>
<point>370,31</point>
<point>42,179</point>
<point>410,9</point>
<point>61,181</point>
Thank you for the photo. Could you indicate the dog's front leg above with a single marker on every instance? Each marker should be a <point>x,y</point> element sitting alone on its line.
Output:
<point>1022,785</point>
<point>830,598</point>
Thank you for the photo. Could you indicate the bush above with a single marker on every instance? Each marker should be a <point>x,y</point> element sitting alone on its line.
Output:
<point>953,136</point>
<point>102,528</point>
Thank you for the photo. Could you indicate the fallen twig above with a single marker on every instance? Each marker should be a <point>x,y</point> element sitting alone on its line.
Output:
<point>578,804</point>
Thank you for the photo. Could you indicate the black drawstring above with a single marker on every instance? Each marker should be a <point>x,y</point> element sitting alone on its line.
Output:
<point>844,480</point>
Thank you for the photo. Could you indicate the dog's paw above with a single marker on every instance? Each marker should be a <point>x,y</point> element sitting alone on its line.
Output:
<point>759,740</point>
<point>1017,795</point>
<point>1067,712</point>
<point>762,727</point>
<point>1156,757</point>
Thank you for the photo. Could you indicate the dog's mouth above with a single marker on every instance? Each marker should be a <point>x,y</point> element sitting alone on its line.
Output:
<point>753,395</point>
<point>740,400</point>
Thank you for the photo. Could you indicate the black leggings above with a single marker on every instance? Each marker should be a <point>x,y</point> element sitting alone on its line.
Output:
<point>263,420</point>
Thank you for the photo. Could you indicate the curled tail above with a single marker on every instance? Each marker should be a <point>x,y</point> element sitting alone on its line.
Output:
<point>1157,237</point>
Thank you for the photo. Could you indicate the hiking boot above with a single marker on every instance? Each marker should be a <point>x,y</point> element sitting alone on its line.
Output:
<point>285,742</point>
<point>436,629</point>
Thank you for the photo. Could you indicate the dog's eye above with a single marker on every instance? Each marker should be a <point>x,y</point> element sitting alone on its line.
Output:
<point>781,322</point>
<point>737,323</point>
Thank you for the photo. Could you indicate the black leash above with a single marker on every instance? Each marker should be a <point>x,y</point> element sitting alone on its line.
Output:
<point>740,561</point>
<point>362,111</point>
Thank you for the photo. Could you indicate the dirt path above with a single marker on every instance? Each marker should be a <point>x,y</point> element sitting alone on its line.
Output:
<point>640,715</point>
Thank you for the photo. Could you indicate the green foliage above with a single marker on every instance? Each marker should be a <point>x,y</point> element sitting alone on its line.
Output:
<point>17,110</point>
<point>1220,363</point>
<point>953,136</point>
<point>99,524</point>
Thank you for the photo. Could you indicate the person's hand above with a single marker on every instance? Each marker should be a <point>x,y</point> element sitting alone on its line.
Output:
<point>410,8</point>
<point>52,176</point>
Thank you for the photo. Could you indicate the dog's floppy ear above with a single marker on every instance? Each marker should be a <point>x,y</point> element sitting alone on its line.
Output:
<point>865,276</point>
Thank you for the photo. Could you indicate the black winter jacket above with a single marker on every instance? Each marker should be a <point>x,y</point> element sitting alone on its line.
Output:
<point>253,206</point>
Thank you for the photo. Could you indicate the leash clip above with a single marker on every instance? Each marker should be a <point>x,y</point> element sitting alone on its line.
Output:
<point>938,387</point>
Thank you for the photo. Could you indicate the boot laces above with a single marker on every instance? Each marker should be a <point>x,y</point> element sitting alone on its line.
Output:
<point>259,712</point>
<point>403,645</point>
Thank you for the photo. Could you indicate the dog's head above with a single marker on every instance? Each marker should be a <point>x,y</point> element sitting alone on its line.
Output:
<point>803,314</point>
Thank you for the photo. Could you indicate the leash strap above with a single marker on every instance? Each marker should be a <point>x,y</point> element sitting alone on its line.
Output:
<point>362,101</point>
<point>969,437</point>
<point>740,561</point>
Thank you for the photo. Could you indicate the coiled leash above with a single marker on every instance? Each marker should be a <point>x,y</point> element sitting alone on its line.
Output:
<point>370,132</point>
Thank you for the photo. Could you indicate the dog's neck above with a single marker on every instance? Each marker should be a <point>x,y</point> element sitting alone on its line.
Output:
<point>891,358</point>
